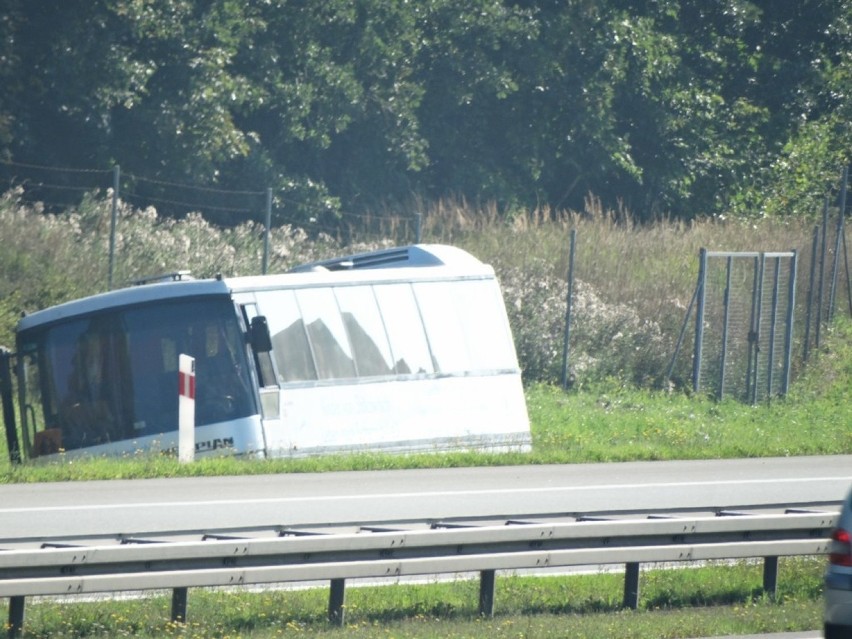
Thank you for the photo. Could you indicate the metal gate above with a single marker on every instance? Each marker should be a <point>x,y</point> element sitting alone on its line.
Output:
<point>744,324</point>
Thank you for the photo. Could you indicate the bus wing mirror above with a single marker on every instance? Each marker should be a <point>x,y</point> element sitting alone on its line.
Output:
<point>261,340</point>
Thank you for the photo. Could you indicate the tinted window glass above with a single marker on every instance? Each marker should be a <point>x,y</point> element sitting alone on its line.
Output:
<point>438,305</point>
<point>466,326</point>
<point>329,342</point>
<point>365,329</point>
<point>206,330</point>
<point>113,376</point>
<point>483,320</point>
<point>404,328</point>
<point>289,338</point>
<point>90,374</point>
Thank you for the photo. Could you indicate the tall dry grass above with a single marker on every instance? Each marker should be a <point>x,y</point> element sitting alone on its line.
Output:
<point>632,289</point>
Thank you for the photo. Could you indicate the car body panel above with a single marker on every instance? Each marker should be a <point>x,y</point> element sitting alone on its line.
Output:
<point>838,579</point>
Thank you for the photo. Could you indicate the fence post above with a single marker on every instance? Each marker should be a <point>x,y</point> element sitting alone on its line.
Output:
<point>848,280</point>
<point>836,266</point>
<point>267,224</point>
<point>791,315</point>
<point>773,325</point>
<point>810,304</point>
<point>753,345</point>
<point>725,324</point>
<point>699,319</point>
<point>680,337</point>
<point>568,305</point>
<point>757,310</point>
<point>822,252</point>
<point>842,234</point>
<point>116,179</point>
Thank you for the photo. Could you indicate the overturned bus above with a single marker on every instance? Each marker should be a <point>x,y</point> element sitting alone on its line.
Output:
<point>400,350</point>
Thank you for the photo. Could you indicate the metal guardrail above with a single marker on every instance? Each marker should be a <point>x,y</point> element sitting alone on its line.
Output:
<point>377,553</point>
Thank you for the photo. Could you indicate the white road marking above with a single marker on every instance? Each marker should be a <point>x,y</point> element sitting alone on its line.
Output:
<point>503,493</point>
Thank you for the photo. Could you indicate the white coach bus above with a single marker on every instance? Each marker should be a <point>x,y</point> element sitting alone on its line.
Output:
<point>400,350</point>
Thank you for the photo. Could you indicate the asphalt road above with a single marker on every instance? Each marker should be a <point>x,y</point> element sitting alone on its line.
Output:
<point>160,506</point>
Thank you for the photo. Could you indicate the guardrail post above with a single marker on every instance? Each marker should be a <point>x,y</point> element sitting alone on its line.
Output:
<point>770,576</point>
<point>336,602</point>
<point>487,582</point>
<point>16,616</point>
<point>179,597</point>
<point>631,585</point>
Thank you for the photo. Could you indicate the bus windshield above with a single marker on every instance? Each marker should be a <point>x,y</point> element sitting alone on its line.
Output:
<point>114,375</point>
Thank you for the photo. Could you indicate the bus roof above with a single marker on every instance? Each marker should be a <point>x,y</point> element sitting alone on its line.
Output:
<point>413,255</point>
<point>416,262</point>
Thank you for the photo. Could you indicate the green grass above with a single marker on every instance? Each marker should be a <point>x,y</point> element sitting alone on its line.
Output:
<point>620,424</point>
<point>603,423</point>
<point>606,425</point>
<point>718,599</point>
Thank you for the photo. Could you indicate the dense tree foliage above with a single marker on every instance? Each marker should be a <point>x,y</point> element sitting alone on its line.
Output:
<point>672,107</point>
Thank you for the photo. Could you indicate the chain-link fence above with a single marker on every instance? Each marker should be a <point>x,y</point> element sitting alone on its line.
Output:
<point>829,282</point>
<point>754,317</point>
<point>744,324</point>
<point>752,313</point>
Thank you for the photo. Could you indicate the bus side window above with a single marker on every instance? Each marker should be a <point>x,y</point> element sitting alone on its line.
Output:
<point>326,333</point>
<point>365,329</point>
<point>96,407</point>
<point>444,325</point>
<point>41,436</point>
<point>486,329</point>
<point>405,329</point>
<point>290,347</point>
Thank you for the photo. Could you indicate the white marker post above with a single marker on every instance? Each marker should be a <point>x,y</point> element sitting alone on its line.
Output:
<point>186,408</point>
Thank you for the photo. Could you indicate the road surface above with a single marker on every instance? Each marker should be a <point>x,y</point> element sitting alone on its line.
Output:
<point>160,506</point>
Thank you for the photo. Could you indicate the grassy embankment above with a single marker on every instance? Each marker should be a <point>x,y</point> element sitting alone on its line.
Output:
<point>719,600</point>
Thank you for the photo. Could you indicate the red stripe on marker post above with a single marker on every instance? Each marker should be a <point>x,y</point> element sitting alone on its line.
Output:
<point>186,385</point>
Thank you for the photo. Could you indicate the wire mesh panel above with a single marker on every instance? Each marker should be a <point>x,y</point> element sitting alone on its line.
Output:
<point>744,324</point>
<point>774,321</point>
<point>829,288</point>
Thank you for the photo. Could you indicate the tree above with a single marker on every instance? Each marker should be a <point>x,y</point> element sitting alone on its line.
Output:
<point>809,53</point>
<point>669,107</point>
<point>9,63</point>
<point>335,116</point>
<point>147,84</point>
